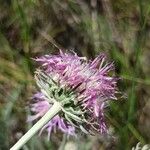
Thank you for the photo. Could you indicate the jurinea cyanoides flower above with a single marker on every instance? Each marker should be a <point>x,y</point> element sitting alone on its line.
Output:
<point>83,88</point>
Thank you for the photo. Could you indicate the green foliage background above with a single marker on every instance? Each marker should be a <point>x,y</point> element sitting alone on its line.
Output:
<point>120,28</point>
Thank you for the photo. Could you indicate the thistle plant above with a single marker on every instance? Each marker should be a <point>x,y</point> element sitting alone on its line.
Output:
<point>73,95</point>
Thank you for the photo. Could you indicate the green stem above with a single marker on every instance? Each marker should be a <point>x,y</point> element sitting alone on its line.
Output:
<point>47,117</point>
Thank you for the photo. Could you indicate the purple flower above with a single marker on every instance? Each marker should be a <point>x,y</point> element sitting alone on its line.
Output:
<point>82,87</point>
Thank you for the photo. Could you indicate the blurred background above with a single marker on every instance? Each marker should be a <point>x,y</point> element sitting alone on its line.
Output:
<point>119,28</point>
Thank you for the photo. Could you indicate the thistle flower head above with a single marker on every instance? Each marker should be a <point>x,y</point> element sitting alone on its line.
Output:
<point>82,87</point>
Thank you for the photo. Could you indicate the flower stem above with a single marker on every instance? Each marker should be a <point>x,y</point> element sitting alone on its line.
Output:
<point>47,117</point>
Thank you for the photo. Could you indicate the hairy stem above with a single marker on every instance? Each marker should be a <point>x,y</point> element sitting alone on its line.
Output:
<point>47,117</point>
